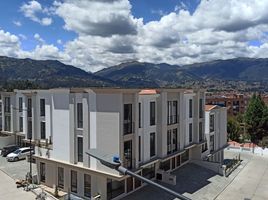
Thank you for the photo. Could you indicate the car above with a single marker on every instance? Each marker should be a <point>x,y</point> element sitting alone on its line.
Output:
<point>19,154</point>
<point>8,149</point>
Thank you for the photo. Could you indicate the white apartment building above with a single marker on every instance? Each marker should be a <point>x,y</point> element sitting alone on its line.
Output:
<point>150,130</point>
<point>215,132</point>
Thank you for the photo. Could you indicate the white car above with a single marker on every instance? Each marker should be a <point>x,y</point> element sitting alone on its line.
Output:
<point>21,153</point>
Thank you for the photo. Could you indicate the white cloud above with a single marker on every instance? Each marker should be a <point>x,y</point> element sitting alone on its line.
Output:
<point>39,38</point>
<point>17,23</point>
<point>31,11</point>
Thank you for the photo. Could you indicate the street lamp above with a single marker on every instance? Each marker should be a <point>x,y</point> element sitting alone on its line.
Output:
<point>115,163</point>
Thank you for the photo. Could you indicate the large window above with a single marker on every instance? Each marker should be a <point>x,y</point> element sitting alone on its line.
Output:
<point>42,172</point>
<point>43,130</point>
<point>42,107</point>
<point>20,104</point>
<point>21,124</point>
<point>7,123</point>
<point>175,140</point>
<point>190,132</point>
<point>172,112</point>
<point>211,123</point>
<point>200,131</point>
<point>128,126</point>
<point>7,105</point>
<point>128,154</point>
<point>200,108</point>
<point>60,177</point>
<point>87,185</point>
<point>29,131</point>
<point>211,143</point>
<point>169,142</point>
<point>152,113</point>
<point>73,181</point>
<point>149,171</point>
<point>139,115</point>
<point>190,108</point>
<point>115,188</point>
<point>29,107</point>
<point>152,144</point>
<point>80,149</point>
<point>79,115</point>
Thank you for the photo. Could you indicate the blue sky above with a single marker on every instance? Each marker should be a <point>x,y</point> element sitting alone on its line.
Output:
<point>93,34</point>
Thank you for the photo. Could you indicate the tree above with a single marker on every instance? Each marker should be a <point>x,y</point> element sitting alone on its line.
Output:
<point>233,129</point>
<point>256,118</point>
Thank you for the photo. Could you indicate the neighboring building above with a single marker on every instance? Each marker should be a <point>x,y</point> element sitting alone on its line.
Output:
<point>235,103</point>
<point>150,130</point>
<point>216,132</point>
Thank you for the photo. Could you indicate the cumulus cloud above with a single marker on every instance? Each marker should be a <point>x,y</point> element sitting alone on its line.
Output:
<point>17,23</point>
<point>31,11</point>
<point>108,33</point>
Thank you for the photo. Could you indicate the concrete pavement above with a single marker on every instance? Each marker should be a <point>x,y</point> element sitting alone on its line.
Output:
<point>8,189</point>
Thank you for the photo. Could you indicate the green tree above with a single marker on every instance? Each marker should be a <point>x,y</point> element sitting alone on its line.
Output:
<point>233,129</point>
<point>256,118</point>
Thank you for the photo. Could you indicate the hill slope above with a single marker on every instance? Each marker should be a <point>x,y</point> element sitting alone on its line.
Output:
<point>48,73</point>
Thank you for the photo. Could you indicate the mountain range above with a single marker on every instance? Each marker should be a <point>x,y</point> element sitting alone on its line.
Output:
<point>50,73</point>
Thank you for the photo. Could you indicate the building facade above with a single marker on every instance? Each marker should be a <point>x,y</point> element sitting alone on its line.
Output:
<point>150,130</point>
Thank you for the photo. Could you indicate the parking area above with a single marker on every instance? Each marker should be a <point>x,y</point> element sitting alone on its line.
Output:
<point>16,170</point>
<point>196,182</point>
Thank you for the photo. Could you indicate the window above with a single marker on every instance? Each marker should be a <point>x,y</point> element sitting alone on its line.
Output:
<point>165,165</point>
<point>42,172</point>
<point>115,188</point>
<point>73,181</point>
<point>79,115</point>
<point>169,142</point>
<point>175,140</point>
<point>149,171</point>
<point>190,132</point>
<point>211,143</point>
<point>128,154</point>
<point>60,177</point>
<point>139,115</point>
<point>211,123</point>
<point>190,108</point>
<point>178,160</point>
<point>20,104</point>
<point>7,123</point>
<point>29,132</point>
<point>42,107</point>
<point>200,108</point>
<point>185,156</point>
<point>7,105</point>
<point>152,144</point>
<point>21,124</point>
<point>200,131</point>
<point>29,107</point>
<point>43,130</point>
<point>152,113</point>
<point>128,127</point>
<point>172,112</point>
<point>80,149</point>
<point>139,148</point>
<point>87,185</point>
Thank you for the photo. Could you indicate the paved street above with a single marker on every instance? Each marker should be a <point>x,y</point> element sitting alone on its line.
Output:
<point>16,170</point>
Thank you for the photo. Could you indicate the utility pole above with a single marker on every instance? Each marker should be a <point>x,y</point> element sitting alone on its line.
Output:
<point>114,162</point>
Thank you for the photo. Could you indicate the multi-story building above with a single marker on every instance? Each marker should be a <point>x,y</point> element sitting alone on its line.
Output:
<point>149,130</point>
<point>215,132</point>
<point>235,103</point>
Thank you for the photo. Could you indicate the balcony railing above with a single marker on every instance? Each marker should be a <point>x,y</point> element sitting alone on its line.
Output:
<point>128,127</point>
<point>172,119</point>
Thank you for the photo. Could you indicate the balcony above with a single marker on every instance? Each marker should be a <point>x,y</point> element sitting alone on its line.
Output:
<point>173,119</point>
<point>128,127</point>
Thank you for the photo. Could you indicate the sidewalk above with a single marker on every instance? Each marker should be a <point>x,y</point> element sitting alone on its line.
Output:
<point>8,189</point>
